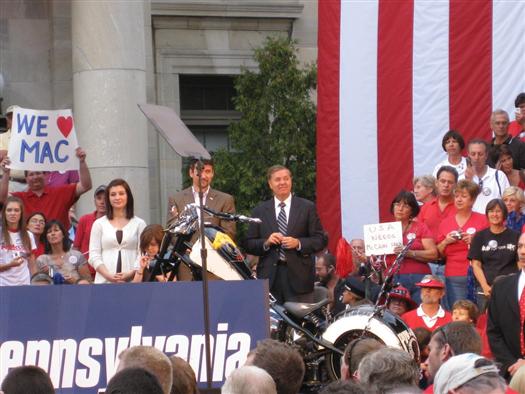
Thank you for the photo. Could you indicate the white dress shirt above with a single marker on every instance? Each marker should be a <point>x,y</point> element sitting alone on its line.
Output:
<point>196,195</point>
<point>197,200</point>
<point>521,283</point>
<point>430,320</point>
<point>288,203</point>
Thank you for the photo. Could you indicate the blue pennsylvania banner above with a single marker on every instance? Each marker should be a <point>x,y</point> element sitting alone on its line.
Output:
<point>76,333</point>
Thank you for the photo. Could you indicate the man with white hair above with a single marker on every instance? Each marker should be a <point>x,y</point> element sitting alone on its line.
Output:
<point>387,369</point>
<point>499,123</point>
<point>249,379</point>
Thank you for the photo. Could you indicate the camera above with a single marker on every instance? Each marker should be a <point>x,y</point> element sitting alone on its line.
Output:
<point>456,235</point>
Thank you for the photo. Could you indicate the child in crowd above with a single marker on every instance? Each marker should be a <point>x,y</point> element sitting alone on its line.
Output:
<point>467,311</point>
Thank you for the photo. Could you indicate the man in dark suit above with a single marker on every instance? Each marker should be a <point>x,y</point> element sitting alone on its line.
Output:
<point>504,328</point>
<point>286,240</point>
<point>213,199</point>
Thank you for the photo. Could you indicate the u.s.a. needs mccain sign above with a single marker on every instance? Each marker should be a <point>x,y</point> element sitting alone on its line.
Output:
<point>76,333</point>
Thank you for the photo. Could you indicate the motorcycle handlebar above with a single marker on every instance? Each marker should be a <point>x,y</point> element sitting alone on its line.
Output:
<point>230,216</point>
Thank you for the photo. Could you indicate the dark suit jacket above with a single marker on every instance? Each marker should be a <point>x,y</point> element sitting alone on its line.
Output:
<point>303,224</point>
<point>503,325</point>
<point>216,200</point>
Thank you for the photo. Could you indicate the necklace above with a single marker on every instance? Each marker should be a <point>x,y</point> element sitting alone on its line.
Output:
<point>58,259</point>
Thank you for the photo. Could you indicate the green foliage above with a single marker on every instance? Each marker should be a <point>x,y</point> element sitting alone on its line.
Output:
<point>277,127</point>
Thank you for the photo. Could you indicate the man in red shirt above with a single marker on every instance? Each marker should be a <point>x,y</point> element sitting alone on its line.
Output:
<point>442,206</point>
<point>85,223</point>
<point>53,202</point>
<point>429,314</point>
<point>439,208</point>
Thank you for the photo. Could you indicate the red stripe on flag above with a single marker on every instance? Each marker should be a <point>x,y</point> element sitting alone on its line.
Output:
<point>328,185</point>
<point>394,101</point>
<point>470,67</point>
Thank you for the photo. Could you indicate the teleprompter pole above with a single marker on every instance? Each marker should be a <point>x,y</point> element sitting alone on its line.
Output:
<point>199,166</point>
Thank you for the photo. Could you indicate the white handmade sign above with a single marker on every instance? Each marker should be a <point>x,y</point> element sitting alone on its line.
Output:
<point>382,238</point>
<point>43,140</point>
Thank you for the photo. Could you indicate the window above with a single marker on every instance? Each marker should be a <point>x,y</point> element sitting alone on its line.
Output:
<point>206,93</point>
<point>206,103</point>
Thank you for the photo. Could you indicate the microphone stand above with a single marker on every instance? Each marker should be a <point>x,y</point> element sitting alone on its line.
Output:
<point>388,284</point>
<point>199,166</point>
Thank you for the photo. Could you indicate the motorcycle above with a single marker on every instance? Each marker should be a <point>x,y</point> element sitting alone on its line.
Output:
<point>322,338</point>
<point>309,327</point>
<point>224,259</point>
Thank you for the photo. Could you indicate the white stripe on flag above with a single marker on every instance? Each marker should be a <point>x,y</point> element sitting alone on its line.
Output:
<point>508,53</point>
<point>430,83</point>
<point>358,116</point>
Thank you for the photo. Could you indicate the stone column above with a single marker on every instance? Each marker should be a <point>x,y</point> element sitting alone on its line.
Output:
<point>109,79</point>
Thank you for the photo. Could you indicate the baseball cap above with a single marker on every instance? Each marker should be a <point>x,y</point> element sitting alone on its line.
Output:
<point>431,281</point>
<point>354,285</point>
<point>402,293</point>
<point>458,370</point>
<point>100,189</point>
<point>11,109</point>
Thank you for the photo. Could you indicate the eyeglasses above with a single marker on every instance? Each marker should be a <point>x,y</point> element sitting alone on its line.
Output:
<point>401,205</point>
<point>37,221</point>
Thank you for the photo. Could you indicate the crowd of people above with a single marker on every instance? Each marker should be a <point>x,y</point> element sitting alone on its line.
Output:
<point>459,286</point>
<point>465,263</point>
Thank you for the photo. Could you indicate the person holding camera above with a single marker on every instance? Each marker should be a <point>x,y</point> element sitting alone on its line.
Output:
<point>494,251</point>
<point>455,236</point>
<point>150,241</point>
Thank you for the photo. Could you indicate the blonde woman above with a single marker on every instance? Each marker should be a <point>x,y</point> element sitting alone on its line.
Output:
<point>514,200</point>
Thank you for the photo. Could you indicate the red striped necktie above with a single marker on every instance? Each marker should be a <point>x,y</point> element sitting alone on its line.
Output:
<point>522,319</point>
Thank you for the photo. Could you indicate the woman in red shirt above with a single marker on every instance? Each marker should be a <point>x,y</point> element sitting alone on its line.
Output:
<point>414,267</point>
<point>454,237</point>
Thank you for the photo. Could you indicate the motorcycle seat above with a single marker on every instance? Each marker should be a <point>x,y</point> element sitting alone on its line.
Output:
<point>301,309</point>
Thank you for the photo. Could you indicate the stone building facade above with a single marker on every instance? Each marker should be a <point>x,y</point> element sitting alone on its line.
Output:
<point>102,57</point>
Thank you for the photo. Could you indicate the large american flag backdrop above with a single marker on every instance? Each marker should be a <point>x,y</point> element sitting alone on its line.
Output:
<point>394,76</point>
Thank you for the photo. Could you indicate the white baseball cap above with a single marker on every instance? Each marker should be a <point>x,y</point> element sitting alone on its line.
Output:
<point>458,370</point>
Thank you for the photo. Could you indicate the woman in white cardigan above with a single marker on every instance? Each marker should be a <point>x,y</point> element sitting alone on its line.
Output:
<point>114,241</point>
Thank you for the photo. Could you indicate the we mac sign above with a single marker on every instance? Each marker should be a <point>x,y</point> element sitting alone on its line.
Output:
<point>43,140</point>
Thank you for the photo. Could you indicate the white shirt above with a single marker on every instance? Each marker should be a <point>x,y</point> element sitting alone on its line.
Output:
<point>460,168</point>
<point>489,188</point>
<point>196,195</point>
<point>288,203</point>
<point>104,248</point>
<point>19,275</point>
<point>430,320</point>
<point>197,199</point>
<point>521,284</point>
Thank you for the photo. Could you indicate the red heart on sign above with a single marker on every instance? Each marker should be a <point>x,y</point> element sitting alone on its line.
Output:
<point>65,125</point>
